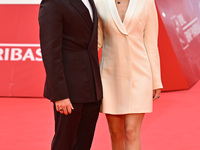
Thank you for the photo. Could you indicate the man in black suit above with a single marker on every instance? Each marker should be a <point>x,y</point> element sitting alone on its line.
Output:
<point>68,37</point>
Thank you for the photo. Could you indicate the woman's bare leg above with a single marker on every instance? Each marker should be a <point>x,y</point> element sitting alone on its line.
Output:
<point>116,127</point>
<point>132,127</point>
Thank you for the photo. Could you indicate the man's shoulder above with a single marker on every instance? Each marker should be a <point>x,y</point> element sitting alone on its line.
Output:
<point>53,5</point>
<point>54,2</point>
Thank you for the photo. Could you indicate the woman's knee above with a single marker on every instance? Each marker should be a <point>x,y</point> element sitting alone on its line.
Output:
<point>132,126</point>
<point>117,133</point>
<point>132,133</point>
<point>116,126</point>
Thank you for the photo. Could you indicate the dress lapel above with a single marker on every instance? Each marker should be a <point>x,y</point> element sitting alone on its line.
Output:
<point>81,8</point>
<point>115,15</point>
<point>129,12</point>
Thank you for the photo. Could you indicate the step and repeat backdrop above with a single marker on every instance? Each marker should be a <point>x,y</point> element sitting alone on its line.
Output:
<point>179,42</point>
<point>21,69</point>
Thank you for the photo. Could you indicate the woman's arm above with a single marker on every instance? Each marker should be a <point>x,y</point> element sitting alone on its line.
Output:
<point>100,33</point>
<point>150,41</point>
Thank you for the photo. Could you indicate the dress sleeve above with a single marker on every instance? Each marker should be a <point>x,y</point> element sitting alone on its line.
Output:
<point>150,40</point>
<point>51,30</point>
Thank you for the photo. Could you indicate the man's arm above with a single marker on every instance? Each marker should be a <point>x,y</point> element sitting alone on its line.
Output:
<point>51,30</point>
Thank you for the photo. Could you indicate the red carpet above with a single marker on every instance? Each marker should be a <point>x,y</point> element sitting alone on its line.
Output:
<point>27,123</point>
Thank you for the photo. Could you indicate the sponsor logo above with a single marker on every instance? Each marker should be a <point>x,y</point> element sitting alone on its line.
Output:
<point>20,52</point>
<point>186,31</point>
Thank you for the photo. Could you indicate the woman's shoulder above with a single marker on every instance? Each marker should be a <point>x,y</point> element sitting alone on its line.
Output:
<point>99,3</point>
<point>147,3</point>
<point>150,1</point>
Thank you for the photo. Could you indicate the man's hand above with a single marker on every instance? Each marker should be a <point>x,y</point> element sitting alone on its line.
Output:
<point>64,106</point>
<point>156,93</point>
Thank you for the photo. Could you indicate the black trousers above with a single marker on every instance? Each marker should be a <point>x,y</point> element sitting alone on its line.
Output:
<point>76,131</point>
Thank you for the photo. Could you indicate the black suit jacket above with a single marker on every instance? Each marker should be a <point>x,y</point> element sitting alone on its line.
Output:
<point>68,39</point>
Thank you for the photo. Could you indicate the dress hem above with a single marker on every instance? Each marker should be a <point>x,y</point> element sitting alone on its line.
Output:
<point>125,113</point>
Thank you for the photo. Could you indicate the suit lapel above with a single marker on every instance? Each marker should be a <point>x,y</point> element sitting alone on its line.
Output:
<point>94,11</point>
<point>95,22</point>
<point>81,8</point>
<point>115,15</point>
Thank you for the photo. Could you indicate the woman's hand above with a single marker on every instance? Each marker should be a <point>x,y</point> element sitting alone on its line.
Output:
<point>156,93</point>
<point>64,106</point>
